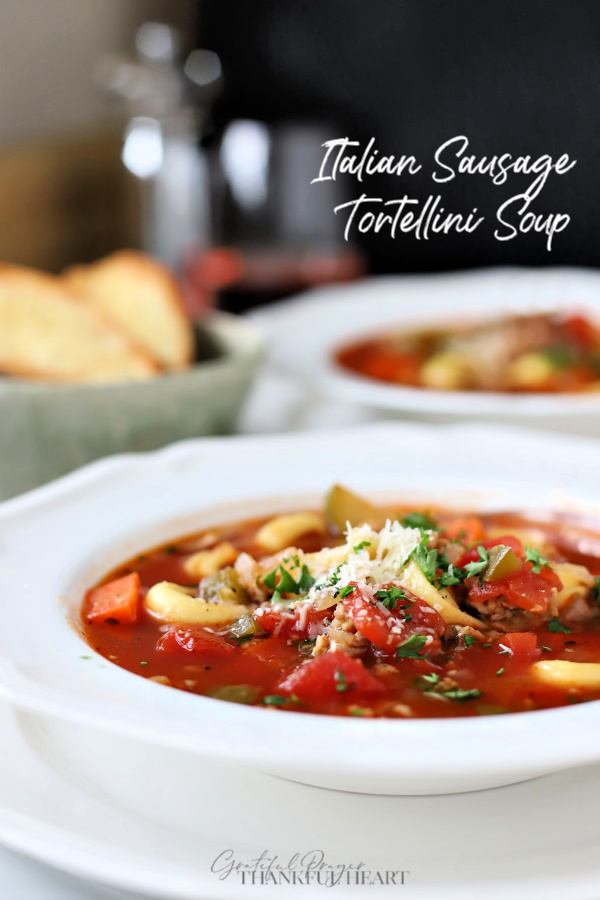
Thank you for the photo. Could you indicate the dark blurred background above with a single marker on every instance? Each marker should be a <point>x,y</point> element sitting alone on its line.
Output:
<point>114,133</point>
<point>515,77</point>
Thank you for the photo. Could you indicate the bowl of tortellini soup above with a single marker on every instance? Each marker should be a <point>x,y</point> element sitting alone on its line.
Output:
<point>517,346</point>
<point>369,609</point>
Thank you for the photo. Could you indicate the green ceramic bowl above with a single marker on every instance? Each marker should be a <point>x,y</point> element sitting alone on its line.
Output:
<point>48,430</point>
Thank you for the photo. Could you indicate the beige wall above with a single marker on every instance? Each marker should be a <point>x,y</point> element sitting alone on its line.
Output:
<point>47,52</point>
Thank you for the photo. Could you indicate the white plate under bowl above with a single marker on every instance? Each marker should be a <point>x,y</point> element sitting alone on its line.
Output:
<point>305,332</point>
<point>58,540</point>
<point>497,844</point>
<point>88,821</point>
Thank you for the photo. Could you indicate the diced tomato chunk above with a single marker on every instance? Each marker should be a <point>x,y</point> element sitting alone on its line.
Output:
<point>525,589</point>
<point>581,331</point>
<point>119,600</point>
<point>522,645</point>
<point>467,530</point>
<point>194,640</point>
<point>331,676</point>
<point>389,628</point>
<point>301,622</point>
<point>386,365</point>
<point>374,623</point>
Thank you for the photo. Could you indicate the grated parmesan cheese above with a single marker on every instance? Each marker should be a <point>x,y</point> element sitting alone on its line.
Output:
<point>380,559</point>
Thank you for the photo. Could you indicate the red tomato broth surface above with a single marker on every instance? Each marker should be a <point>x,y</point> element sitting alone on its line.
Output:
<point>268,662</point>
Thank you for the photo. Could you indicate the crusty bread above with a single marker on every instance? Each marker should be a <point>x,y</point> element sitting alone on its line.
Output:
<point>143,298</point>
<point>46,332</point>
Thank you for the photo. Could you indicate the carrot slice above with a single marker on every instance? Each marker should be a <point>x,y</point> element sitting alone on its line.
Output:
<point>119,600</point>
<point>467,530</point>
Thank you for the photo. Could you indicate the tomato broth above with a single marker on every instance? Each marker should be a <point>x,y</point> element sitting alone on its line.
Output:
<point>367,648</point>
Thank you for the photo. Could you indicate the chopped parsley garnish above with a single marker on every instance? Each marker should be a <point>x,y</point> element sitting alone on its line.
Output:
<point>461,694</point>
<point>556,627</point>
<point>287,584</point>
<point>389,597</point>
<point>361,546</point>
<point>469,640</point>
<point>419,520</point>
<point>332,580</point>
<point>294,559</point>
<point>426,559</point>
<point>242,639</point>
<point>432,682</point>
<point>547,649</point>
<point>341,685</point>
<point>306,581</point>
<point>596,590</point>
<point>486,646</point>
<point>407,617</point>
<point>453,575</point>
<point>533,555</point>
<point>356,711</point>
<point>500,671</point>
<point>274,700</point>
<point>408,650</point>
<point>346,591</point>
<point>143,663</point>
<point>477,566</point>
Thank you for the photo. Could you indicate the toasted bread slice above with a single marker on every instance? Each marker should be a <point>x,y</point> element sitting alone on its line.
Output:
<point>46,332</point>
<point>143,298</point>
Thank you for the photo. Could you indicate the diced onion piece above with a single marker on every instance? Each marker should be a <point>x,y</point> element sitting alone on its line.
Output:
<point>414,581</point>
<point>280,532</point>
<point>172,603</point>
<point>566,674</point>
<point>209,562</point>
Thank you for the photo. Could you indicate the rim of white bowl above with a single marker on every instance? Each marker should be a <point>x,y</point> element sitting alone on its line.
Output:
<point>339,315</point>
